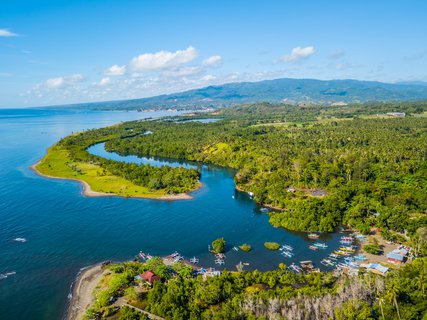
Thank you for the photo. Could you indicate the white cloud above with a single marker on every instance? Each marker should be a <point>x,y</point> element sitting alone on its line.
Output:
<point>104,81</point>
<point>115,70</point>
<point>213,61</point>
<point>7,33</point>
<point>59,82</point>
<point>162,59</point>
<point>299,53</point>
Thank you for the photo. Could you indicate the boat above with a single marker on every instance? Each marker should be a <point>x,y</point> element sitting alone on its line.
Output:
<point>348,259</point>
<point>287,247</point>
<point>287,254</point>
<point>264,210</point>
<point>313,236</point>
<point>194,260</point>
<point>327,263</point>
<point>334,256</point>
<point>342,253</point>
<point>347,249</point>
<point>295,267</point>
<point>313,247</point>
<point>321,245</point>
<point>219,261</point>
<point>235,249</point>
<point>142,255</point>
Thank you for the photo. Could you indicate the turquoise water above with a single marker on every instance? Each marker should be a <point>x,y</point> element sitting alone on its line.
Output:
<point>66,231</point>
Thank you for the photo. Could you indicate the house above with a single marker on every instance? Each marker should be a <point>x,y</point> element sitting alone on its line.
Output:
<point>397,256</point>
<point>375,268</point>
<point>150,276</point>
<point>394,257</point>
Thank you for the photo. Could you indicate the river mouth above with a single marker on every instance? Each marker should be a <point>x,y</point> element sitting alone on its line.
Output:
<point>218,188</point>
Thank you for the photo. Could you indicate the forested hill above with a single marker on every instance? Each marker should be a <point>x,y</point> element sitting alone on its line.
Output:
<point>292,91</point>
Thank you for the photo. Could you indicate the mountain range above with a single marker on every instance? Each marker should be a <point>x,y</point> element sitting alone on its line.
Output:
<point>286,90</point>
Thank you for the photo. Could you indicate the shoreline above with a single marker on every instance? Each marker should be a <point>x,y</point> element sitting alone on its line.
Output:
<point>82,291</point>
<point>88,192</point>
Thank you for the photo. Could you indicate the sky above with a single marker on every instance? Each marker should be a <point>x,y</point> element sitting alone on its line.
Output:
<point>65,52</point>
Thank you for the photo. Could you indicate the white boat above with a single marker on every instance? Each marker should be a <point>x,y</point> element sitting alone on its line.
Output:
<point>194,260</point>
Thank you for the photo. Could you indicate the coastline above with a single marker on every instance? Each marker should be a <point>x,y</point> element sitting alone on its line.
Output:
<point>82,291</point>
<point>88,192</point>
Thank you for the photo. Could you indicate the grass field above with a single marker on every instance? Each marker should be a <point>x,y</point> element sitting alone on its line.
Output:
<point>58,164</point>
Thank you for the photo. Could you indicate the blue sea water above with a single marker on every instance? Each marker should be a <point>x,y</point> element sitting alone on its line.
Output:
<point>65,231</point>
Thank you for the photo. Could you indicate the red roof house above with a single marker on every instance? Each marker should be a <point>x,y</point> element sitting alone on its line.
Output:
<point>149,276</point>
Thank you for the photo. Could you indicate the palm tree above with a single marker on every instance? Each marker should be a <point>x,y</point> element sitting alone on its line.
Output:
<point>393,292</point>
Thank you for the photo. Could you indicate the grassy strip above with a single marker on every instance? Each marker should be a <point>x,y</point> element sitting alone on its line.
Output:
<point>57,163</point>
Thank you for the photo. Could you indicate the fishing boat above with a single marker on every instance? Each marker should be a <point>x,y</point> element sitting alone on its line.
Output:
<point>295,267</point>
<point>334,256</point>
<point>219,261</point>
<point>142,255</point>
<point>220,255</point>
<point>342,253</point>
<point>235,249</point>
<point>194,260</point>
<point>287,254</point>
<point>347,249</point>
<point>324,263</point>
<point>313,247</point>
<point>321,245</point>
<point>286,247</point>
<point>264,210</point>
<point>348,259</point>
<point>313,236</point>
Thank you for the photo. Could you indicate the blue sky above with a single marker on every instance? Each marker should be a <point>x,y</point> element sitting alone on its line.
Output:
<point>61,52</point>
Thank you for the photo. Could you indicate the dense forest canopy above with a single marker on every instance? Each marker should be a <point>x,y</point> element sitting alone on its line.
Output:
<point>319,167</point>
<point>278,294</point>
<point>361,171</point>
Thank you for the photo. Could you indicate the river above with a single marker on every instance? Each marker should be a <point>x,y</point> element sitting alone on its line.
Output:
<point>62,231</point>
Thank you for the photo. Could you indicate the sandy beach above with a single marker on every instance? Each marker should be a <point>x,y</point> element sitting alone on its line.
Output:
<point>88,192</point>
<point>83,288</point>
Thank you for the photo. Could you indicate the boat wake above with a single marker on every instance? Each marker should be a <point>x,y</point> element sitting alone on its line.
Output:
<point>6,275</point>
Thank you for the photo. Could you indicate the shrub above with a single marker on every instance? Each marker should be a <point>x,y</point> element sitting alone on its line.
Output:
<point>245,247</point>
<point>218,245</point>
<point>272,245</point>
<point>372,248</point>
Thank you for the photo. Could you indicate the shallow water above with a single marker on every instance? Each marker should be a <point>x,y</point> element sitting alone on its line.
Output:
<point>66,231</point>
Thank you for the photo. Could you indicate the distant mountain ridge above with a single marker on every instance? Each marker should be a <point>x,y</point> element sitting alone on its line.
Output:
<point>279,90</point>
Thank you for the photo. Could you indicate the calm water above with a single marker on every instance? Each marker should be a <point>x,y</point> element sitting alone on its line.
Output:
<point>66,231</point>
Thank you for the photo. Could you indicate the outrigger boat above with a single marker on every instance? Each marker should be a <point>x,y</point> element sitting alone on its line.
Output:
<point>142,255</point>
<point>219,261</point>
<point>342,253</point>
<point>286,247</point>
<point>313,247</point>
<point>235,249</point>
<point>327,263</point>
<point>194,260</point>
<point>287,254</point>
<point>334,256</point>
<point>295,268</point>
<point>348,249</point>
<point>321,245</point>
<point>313,236</point>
